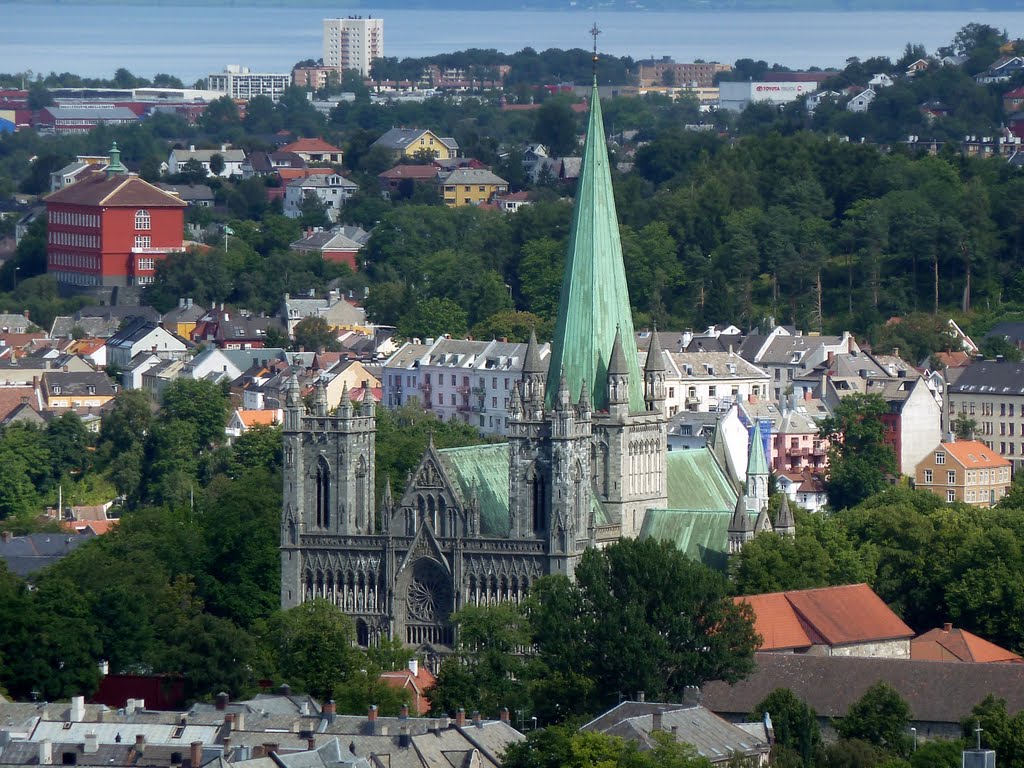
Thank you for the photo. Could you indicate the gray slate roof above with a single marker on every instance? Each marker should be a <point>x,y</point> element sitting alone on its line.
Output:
<point>990,377</point>
<point>25,555</point>
<point>401,138</point>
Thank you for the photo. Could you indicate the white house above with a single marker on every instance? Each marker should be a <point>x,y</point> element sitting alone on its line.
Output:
<point>332,189</point>
<point>143,336</point>
<point>880,80</point>
<point>861,101</point>
<point>711,381</point>
<point>233,159</point>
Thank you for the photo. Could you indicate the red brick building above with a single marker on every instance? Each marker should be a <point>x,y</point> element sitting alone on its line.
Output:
<point>110,228</point>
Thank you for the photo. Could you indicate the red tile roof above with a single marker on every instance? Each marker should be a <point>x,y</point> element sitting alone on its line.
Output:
<point>12,397</point>
<point>419,172</point>
<point>973,454</point>
<point>420,684</point>
<point>291,174</point>
<point>130,191</point>
<point>309,145</point>
<point>829,616</point>
<point>252,418</point>
<point>949,644</point>
<point>953,359</point>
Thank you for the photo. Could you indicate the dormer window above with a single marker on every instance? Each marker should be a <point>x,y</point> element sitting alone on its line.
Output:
<point>56,389</point>
<point>142,219</point>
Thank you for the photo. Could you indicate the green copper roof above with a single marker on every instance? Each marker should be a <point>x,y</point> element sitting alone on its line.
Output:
<point>756,462</point>
<point>483,469</point>
<point>595,299</point>
<point>695,481</point>
<point>700,534</point>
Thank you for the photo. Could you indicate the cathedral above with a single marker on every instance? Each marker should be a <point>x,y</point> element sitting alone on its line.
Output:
<point>585,461</point>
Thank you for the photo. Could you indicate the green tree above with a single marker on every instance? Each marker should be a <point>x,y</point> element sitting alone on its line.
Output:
<point>555,128</point>
<point>487,670</point>
<point>880,717</point>
<point>259,447</point>
<point>313,212</point>
<point>512,325</point>
<point>200,403</point>
<point>859,459</point>
<point>313,645</point>
<point>314,333</point>
<point>638,613</point>
<point>217,164</point>
<point>795,724</point>
<point>562,747</point>
<point>432,318</point>
<point>1000,731</point>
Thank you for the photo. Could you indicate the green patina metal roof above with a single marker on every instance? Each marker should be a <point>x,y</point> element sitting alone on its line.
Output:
<point>701,501</point>
<point>594,300</point>
<point>695,481</point>
<point>482,469</point>
<point>756,463</point>
<point>701,534</point>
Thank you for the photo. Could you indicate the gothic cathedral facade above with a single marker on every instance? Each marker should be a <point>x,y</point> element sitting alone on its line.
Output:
<point>585,459</point>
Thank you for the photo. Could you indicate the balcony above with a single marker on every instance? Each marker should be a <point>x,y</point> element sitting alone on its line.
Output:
<point>463,390</point>
<point>464,407</point>
<point>426,387</point>
<point>693,400</point>
<point>480,391</point>
<point>794,450</point>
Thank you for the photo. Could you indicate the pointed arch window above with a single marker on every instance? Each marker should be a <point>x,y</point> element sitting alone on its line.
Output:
<point>323,493</point>
<point>538,499</point>
<point>361,506</point>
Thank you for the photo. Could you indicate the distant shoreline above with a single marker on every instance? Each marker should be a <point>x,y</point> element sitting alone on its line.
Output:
<point>562,6</point>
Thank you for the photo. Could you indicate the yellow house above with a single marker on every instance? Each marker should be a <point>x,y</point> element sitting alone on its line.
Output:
<point>470,186</point>
<point>183,318</point>
<point>348,374</point>
<point>412,142</point>
<point>76,390</point>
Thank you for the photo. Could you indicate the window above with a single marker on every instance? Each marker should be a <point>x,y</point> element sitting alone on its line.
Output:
<point>147,264</point>
<point>142,219</point>
<point>950,495</point>
<point>940,458</point>
<point>453,399</point>
<point>928,476</point>
<point>143,241</point>
<point>951,476</point>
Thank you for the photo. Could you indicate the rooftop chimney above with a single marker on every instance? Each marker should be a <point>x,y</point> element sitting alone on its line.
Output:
<point>414,667</point>
<point>640,696</point>
<point>476,719</point>
<point>504,715</point>
<point>404,739</point>
<point>271,748</point>
<point>404,712</point>
<point>91,745</point>
<point>46,752</point>
<point>371,714</point>
<point>195,753</point>
<point>311,743</point>
<point>77,713</point>
<point>329,711</point>
<point>222,701</point>
<point>656,723</point>
<point>140,743</point>
<point>460,717</point>
<point>947,627</point>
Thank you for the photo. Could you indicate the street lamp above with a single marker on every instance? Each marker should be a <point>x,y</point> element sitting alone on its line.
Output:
<point>913,734</point>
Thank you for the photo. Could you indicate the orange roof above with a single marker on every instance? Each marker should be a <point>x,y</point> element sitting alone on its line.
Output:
<point>309,145</point>
<point>953,359</point>
<point>253,418</point>
<point>949,644</point>
<point>420,683</point>
<point>99,527</point>
<point>973,454</point>
<point>829,616</point>
<point>291,174</point>
<point>85,346</point>
<point>12,397</point>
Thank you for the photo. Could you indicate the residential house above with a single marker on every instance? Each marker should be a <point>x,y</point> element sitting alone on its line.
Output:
<point>400,179</point>
<point>785,355</point>
<point>132,374</point>
<point>144,336</point>
<point>688,430</point>
<point>216,364</point>
<point>806,488</point>
<point>913,423</point>
<point>341,243</point>
<point>72,172</point>
<point>417,142</point>
<point>991,393</point>
<point>470,186</point>
<point>340,313</point>
<point>849,620</point>
<point>99,321</point>
<point>965,471</point>
<point>861,100</point>
<point>158,377</point>
<point>233,330</point>
<point>1001,70</point>
<point>66,390</point>
<point>880,80</point>
<point>512,202</point>
<point>920,65</point>
<point>711,381</point>
<point>940,694</point>
<point>418,680</point>
<point>947,643</point>
<point>198,195</point>
<point>110,229</point>
<point>182,319</point>
<point>93,351</point>
<point>794,442</point>
<point>266,163</point>
<point>314,151</point>
<point>713,738</point>
<point>1008,330</point>
<point>20,402</point>
<point>332,190</point>
<point>25,556</point>
<point>814,100</point>
<point>458,379</point>
<point>15,323</point>
<point>233,159</point>
<point>242,421</point>
<point>1013,101</point>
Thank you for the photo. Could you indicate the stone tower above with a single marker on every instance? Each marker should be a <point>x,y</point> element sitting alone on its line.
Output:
<point>329,460</point>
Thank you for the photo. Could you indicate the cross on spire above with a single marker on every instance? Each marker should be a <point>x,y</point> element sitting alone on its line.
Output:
<point>594,32</point>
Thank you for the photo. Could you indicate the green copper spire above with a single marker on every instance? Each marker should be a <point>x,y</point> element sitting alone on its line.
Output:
<point>756,462</point>
<point>595,300</point>
<point>115,168</point>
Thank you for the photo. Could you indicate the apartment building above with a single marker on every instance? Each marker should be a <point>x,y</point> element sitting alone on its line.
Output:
<point>967,471</point>
<point>991,394</point>
<point>711,381</point>
<point>353,43</point>
<point>239,83</point>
